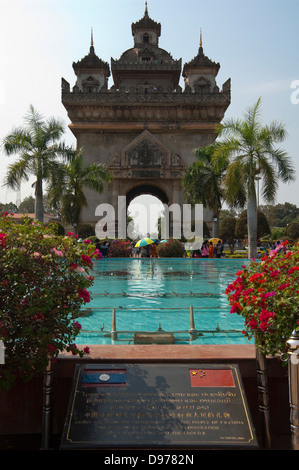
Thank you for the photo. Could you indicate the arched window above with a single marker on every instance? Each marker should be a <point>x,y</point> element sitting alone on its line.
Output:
<point>145,37</point>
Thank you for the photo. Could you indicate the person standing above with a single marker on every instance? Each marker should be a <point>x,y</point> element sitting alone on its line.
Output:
<point>211,250</point>
<point>204,250</point>
<point>218,250</point>
<point>154,251</point>
<point>143,252</point>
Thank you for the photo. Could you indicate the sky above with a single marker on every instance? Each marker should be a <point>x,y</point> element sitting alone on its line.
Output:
<point>255,41</point>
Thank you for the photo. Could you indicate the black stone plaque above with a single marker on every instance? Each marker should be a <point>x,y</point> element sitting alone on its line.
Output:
<point>158,406</point>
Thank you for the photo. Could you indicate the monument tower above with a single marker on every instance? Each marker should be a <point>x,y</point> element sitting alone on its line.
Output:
<point>145,126</point>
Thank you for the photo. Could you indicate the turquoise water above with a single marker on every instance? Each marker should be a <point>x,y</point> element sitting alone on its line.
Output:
<point>151,295</point>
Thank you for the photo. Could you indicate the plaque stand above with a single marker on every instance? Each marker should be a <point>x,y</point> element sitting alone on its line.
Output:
<point>158,406</point>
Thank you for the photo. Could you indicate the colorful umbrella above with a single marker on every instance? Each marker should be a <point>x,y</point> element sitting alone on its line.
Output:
<point>215,240</point>
<point>144,242</point>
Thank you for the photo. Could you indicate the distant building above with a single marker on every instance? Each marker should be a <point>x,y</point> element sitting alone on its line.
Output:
<point>47,217</point>
<point>145,126</point>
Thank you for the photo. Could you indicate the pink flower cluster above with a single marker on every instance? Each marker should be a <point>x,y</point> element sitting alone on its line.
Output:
<point>57,252</point>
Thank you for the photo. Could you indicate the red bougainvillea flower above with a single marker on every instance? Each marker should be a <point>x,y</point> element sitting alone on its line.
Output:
<point>2,240</point>
<point>265,294</point>
<point>86,259</point>
<point>84,294</point>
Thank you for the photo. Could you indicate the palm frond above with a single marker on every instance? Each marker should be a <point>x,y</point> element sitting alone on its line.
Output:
<point>235,182</point>
<point>16,172</point>
<point>34,120</point>
<point>285,168</point>
<point>252,115</point>
<point>17,141</point>
<point>53,130</point>
<point>269,179</point>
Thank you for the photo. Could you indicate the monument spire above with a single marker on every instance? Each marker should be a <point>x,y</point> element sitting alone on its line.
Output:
<point>91,50</point>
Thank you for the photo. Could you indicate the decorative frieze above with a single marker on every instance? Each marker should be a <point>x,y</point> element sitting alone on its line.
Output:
<point>147,114</point>
<point>99,107</point>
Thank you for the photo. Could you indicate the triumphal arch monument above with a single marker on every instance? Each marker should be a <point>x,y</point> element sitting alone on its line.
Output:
<point>145,126</point>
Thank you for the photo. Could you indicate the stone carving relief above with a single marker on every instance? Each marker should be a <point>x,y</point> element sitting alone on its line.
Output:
<point>176,160</point>
<point>90,85</point>
<point>114,161</point>
<point>145,157</point>
<point>202,85</point>
<point>146,152</point>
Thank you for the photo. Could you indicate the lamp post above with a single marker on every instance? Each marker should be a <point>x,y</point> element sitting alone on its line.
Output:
<point>215,226</point>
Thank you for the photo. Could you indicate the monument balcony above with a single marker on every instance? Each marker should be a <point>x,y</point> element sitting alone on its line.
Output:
<point>155,96</point>
<point>123,110</point>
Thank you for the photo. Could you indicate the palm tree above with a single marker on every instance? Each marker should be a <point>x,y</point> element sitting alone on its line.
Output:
<point>67,185</point>
<point>248,148</point>
<point>202,183</point>
<point>37,145</point>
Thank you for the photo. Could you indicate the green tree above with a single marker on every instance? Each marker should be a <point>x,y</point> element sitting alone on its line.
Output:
<point>202,182</point>
<point>27,205</point>
<point>280,215</point>
<point>227,213</point>
<point>67,185</point>
<point>38,147</point>
<point>9,207</point>
<point>227,231</point>
<point>248,148</point>
<point>277,233</point>
<point>241,230</point>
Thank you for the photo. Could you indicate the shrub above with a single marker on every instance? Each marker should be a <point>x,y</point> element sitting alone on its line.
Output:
<point>241,230</point>
<point>93,238</point>
<point>43,284</point>
<point>120,249</point>
<point>266,294</point>
<point>85,231</point>
<point>292,231</point>
<point>59,230</point>
<point>277,233</point>
<point>170,249</point>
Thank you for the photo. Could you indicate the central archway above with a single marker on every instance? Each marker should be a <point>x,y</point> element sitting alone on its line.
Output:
<point>142,189</point>
<point>144,207</point>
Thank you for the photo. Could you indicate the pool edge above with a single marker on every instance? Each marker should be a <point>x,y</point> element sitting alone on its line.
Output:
<point>167,352</point>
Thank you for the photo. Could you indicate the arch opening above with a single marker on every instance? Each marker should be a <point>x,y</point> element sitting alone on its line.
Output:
<point>143,214</point>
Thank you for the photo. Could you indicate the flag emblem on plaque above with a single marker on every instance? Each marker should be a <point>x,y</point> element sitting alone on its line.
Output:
<point>104,377</point>
<point>211,378</point>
